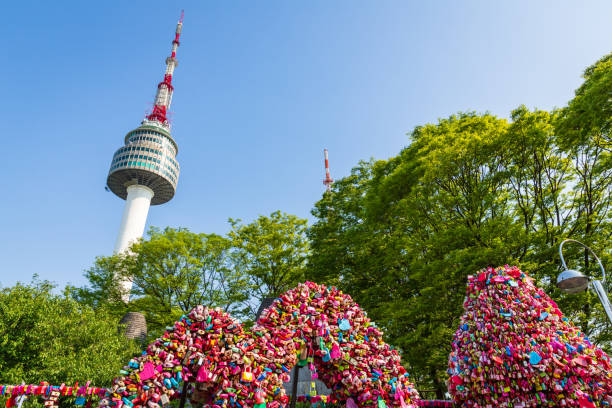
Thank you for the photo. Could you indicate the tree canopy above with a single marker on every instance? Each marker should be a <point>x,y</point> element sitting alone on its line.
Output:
<point>472,190</point>
<point>49,337</point>
<point>271,251</point>
<point>174,270</point>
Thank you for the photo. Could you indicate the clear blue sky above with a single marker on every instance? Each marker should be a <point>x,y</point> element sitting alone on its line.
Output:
<point>261,88</point>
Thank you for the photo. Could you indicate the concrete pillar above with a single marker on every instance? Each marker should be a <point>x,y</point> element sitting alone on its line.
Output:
<point>134,326</point>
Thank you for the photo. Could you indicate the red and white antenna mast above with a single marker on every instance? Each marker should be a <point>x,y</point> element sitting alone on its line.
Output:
<point>163,98</point>
<point>328,180</point>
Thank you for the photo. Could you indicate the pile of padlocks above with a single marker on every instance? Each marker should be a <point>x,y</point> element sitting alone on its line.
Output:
<point>436,403</point>
<point>50,393</point>
<point>514,348</point>
<point>228,366</point>
<point>313,399</point>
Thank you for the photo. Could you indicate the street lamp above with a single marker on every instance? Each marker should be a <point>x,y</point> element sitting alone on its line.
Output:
<point>573,281</point>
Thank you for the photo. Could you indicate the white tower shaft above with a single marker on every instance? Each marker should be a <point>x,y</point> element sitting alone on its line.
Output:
<point>132,227</point>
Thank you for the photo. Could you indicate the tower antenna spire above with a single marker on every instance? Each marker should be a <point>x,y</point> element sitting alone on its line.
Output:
<point>163,98</point>
<point>328,180</point>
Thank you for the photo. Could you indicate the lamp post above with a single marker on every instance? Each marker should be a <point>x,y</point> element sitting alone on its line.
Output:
<point>573,281</point>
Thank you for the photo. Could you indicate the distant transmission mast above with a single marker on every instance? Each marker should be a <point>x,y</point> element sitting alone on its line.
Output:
<point>328,180</point>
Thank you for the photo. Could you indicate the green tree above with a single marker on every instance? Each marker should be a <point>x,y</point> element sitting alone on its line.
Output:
<point>49,337</point>
<point>588,116</point>
<point>172,271</point>
<point>402,235</point>
<point>413,232</point>
<point>446,215</point>
<point>584,134</point>
<point>271,251</point>
<point>339,238</point>
<point>103,290</point>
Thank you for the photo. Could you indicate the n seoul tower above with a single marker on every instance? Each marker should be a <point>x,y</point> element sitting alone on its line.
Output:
<point>144,171</point>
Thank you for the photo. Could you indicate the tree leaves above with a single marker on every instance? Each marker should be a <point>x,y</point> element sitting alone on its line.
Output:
<point>53,338</point>
<point>271,252</point>
<point>175,269</point>
<point>470,191</point>
<point>172,271</point>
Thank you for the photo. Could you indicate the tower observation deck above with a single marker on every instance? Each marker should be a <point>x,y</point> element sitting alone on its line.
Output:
<point>147,159</point>
<point>144,171</point>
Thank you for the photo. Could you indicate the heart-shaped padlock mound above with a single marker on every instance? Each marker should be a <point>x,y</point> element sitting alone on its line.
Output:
<point>228,366</point>
<point>515,348</point>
